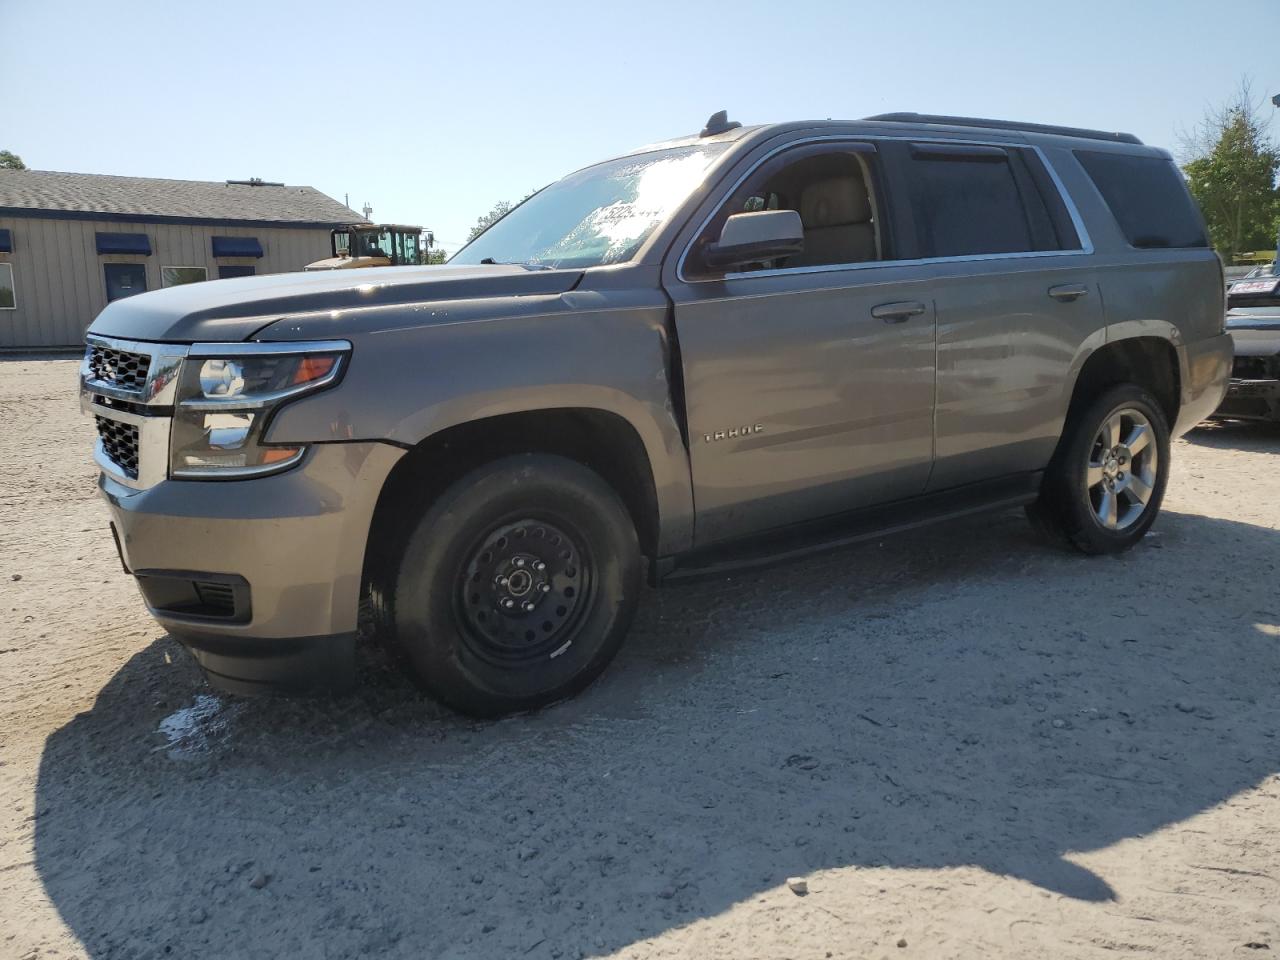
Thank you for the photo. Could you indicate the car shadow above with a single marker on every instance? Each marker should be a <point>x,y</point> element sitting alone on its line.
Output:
<point>961,695</point>
<point>1254,436</point>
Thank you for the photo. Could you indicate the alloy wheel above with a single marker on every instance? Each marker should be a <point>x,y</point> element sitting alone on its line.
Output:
<point>1121,474</point>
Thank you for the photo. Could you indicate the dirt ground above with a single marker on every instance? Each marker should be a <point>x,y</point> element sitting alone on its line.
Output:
<point>969,743</point>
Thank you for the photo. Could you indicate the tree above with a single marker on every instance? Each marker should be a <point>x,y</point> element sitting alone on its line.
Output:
<point>500,210</point>
<point>1231,166</point>
<point>11,161</point>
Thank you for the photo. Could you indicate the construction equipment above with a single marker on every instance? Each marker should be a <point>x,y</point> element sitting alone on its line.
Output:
<point>372,245</point>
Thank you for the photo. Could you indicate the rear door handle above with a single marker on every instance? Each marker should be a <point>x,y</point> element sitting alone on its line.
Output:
<point>1066,292</point>
<point>898,312</point>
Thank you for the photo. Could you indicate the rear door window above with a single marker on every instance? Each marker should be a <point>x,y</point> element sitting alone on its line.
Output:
<point>966,201</point>
<point>1148,198</point>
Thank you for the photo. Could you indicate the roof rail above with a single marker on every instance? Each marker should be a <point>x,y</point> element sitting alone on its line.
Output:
<point>1007,125</point>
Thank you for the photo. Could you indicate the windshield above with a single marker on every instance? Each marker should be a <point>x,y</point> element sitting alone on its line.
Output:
<point>595,216</point>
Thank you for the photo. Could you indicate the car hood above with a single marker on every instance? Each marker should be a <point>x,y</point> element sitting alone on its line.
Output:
<point>234,310</point>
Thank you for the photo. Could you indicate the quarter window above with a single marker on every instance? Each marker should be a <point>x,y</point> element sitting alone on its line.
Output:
<point>1148,198</point>
<point>177,276</point>
<point>8,298</point>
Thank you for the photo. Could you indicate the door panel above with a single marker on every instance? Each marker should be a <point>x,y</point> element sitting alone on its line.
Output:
<point>1005,346</point>
<point>801,403</point>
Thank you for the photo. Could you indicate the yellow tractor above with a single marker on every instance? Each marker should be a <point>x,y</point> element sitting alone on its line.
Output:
<point>372,245</point>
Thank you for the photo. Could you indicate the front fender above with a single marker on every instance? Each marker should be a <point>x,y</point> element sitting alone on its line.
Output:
<point>405,384</point>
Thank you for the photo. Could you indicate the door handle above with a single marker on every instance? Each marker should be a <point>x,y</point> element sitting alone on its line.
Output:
<point>898,312</point>
<point>1066,292</point>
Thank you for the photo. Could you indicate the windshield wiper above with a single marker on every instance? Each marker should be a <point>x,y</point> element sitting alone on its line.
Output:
<point>490,262</point>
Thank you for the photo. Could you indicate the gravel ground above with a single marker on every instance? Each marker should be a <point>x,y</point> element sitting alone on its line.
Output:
<point>970,744</point>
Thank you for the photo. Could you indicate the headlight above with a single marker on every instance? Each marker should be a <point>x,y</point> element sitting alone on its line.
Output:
<point>227,396</point>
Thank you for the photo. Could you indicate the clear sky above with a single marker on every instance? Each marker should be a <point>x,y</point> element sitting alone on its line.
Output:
<point>433,112</point>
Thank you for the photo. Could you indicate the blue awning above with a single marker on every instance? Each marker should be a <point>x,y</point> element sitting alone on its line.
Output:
<point>236,247</point>
<point>137,244</point>
<point>6,241</point>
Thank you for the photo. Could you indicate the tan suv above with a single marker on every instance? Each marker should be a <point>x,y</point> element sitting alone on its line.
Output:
<point>709,351</point>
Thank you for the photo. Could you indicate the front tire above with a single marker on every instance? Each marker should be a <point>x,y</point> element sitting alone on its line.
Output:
<point>1104,486</point>
<point>517,585</point>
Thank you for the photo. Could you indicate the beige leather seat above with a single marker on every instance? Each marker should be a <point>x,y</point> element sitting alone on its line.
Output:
<point>836,214</point>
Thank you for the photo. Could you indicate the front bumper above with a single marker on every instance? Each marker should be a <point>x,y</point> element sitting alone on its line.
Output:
<point>280,557</point>
<point>1251,400</point>
<point>1254,391</point>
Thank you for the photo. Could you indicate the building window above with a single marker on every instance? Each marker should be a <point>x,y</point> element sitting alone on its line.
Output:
<point>229,270</point>
<point>8,299</point>
<point>177,276</point>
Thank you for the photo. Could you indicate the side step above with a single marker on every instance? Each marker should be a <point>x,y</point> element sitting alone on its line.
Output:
<point>829,533</point>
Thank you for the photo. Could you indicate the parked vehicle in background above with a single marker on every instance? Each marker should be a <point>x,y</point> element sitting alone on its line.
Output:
<point>711,351</point>
<point>1253,320</point>
<point>371,245</point>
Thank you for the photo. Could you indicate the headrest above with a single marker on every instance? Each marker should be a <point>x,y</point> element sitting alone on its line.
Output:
<point>835,203</point>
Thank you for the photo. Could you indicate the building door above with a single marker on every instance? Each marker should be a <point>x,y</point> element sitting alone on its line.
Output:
<point>124,279</point>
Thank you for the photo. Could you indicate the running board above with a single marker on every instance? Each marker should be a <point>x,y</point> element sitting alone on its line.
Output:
<point>830,533</point>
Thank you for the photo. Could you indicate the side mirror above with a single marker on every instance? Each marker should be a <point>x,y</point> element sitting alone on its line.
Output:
<point>752,237</point>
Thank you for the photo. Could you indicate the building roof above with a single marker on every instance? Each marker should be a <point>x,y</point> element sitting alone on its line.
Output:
<point>36,193</point>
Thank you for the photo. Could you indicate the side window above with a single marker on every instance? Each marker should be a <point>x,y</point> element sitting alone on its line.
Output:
<point>1148,197</point>
<point>965,201</point>
<point>833,189</point>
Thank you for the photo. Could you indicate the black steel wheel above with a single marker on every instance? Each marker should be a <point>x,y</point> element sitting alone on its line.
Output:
<point>516,586</point>
<point>523,591</point>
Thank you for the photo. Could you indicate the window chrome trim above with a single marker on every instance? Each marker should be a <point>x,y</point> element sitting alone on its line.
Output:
<point>1082,233</point>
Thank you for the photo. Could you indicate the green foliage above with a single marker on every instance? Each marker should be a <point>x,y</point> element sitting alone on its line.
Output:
<point>483,223</point>
<point>434,256</point>
<point>1231,169</point>
<point>500,210</point>
<point>11,161</point>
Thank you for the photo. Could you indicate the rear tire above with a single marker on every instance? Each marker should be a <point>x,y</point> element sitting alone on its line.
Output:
<point>517,586</point>
<point>1104,486</point>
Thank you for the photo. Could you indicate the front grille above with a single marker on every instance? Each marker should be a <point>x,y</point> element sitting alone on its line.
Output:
<point>128,371</point>
<point>1255,368</point>
<point>120,444</point>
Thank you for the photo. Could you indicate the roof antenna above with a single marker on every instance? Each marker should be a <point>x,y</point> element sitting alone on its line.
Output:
<point>719,122</point>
